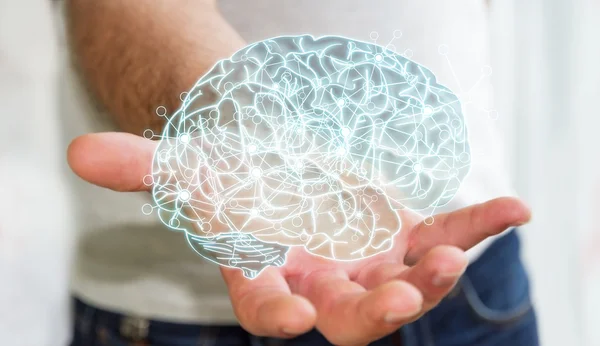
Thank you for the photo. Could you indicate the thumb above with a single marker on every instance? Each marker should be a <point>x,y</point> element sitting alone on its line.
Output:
<point>118,161</point>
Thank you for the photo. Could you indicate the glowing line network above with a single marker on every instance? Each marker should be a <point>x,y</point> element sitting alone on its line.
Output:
<point>303,141</point>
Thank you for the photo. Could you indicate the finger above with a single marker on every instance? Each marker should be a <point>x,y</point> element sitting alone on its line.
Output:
<point>265,306</point>
<point>349,314</point>
<point>467,227</point>
<point>434,275</point>
<point>118,161</point>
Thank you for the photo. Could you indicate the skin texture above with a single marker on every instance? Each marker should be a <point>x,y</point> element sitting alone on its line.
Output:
<point>351,303</point>
<point>137,55</point>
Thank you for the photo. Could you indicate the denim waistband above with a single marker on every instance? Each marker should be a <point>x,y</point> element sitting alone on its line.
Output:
<point>139,327</point>
<point>505,249</point>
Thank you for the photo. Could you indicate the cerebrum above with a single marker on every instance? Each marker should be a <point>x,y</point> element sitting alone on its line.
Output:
<point>303,141</point>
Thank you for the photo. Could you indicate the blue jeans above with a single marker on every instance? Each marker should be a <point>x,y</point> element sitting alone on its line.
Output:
<point>489,307</point>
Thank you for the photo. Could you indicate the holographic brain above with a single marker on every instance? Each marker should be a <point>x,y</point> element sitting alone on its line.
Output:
<point>303,141</point>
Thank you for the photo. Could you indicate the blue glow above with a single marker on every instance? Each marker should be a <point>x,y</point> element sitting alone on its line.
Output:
<point>303,141</point>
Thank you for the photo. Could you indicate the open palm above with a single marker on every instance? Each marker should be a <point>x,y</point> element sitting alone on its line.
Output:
<point>349,302</point>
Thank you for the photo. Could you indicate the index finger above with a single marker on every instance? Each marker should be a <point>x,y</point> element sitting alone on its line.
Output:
<point>117,161</point>
<point>467,227</point>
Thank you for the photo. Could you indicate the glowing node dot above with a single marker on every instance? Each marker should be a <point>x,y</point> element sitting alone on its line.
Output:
<point>297,222</point>
<point>359,214</point>
<point>189,173</point>
<point>307,189</point>
<point>148,180</point>
<point>341,102</point>
<point>254,212</point>
<point>252,148</point>
<point>256,172</point>
<point>184,138</point>
<point>341,151</point>
<point>345,132</point>
<point>464,157</point>
<point>443,49</point>
<point>147,209</point>
<point>378,57</point>
<point>206,227</point>
<point>427,110</point>
<point>417,167</point>
<point>161,111</point>
<point>184,195</point>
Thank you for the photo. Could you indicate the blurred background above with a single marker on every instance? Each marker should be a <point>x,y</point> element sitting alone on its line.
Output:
<point>547,53</point>
<point>36,225</point>
<point>546,81</point>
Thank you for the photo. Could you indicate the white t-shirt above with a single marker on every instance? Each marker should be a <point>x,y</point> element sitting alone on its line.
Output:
<point>129,262</point>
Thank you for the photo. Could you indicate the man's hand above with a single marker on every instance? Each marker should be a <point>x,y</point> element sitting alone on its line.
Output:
<point>350,303</point>
<point>136,55</point>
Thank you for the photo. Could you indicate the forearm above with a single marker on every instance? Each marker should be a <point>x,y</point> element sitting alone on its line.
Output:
<point>138,55</point>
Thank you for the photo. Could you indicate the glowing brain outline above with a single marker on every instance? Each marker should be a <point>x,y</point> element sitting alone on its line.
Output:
<point>297,140</point>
